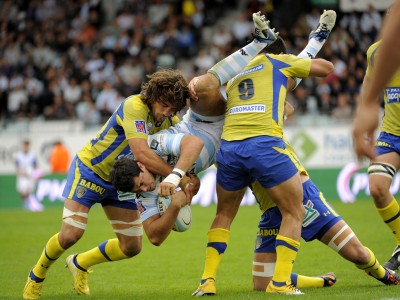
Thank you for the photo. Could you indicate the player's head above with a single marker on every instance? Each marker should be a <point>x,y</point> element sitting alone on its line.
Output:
<point>26,145</point>
<point>277,47</point>
<point>166,91</point>
<point>128,175</point>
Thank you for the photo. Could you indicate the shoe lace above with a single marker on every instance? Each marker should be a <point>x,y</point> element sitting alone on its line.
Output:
<point>36,288</point>
<point>322,27</point>
<point>293,287</point>
<point>82,279</point>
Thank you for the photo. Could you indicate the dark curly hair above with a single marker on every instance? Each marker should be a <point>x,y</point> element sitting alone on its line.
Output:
<point>122,173</point>
<point>167,86</point>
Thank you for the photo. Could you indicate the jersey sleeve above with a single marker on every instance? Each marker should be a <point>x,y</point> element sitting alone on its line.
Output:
<point>371,55</point>
<point>166,144</point>
<point>134,118</point>
<point>298,67</point>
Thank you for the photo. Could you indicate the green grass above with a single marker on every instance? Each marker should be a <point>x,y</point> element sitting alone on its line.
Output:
<point>173,270</point>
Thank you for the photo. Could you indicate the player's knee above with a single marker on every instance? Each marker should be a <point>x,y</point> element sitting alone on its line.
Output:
<point>131,248</point>
<point>362,256</point>
<point>68,238</point>
<point>357,254</point>
<point>377,190</point>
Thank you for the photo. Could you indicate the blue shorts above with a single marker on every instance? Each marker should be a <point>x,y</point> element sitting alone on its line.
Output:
<point>85,187</point>
<point>320,217</point>
<point>387,143</point>
<point>261,158</point>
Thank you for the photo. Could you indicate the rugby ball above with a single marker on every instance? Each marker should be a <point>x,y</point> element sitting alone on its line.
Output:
<point>184,218</point>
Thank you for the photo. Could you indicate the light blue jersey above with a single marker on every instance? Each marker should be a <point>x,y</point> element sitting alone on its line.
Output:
<point>166,144</point>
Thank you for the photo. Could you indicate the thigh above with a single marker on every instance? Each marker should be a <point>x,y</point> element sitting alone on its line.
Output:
<point>83,185</point>
<point>86,188</point>
<point>288,195</point>
<point>320,216</point>
<point>271,163</point>
<point>387,143</point>
<point>126,224</point>
<point>232,172</point>
<point>227,206</point>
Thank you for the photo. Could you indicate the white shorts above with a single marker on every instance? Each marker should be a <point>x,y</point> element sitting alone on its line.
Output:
<point>25,185</point>
<point>209,129</point>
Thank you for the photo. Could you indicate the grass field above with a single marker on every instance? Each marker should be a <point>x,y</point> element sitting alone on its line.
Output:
<point>173,270</point>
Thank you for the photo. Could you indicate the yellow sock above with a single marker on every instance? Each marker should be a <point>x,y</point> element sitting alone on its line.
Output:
<point>107,251</point>
<point>373,267</point>
<point>286,252</point>
<point>301,281</point>
<point>52,251</point>
<point>218,239</point>
<point>390,215</point>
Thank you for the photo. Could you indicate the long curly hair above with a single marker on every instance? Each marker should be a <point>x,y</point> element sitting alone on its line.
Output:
<point>166,86</point>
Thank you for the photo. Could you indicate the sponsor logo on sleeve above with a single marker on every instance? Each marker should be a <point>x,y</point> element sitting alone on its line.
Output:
<point>140,126</point>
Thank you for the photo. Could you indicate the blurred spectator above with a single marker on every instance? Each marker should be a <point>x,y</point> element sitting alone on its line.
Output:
<point>87,112</point>
<point>59,158</point>
<point>371,21</point>
<point>312,18</point>
<point>3,96</point>
<point>46,43</point>
<point>221,37</point>
<point>18,101</point>
<point>242,28</point>
<point>107,100</point>
<point>27,172</point>
<point>343,111</point>
<point>72,93</point>
<point>203,61</point>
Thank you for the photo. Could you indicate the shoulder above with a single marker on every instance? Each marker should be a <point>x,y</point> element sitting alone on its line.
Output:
<point>135,102</point>
<point>372,49</point>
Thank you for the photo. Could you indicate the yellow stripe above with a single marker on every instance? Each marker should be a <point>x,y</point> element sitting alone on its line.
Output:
<point>321,196</point>
<point>77,176</point>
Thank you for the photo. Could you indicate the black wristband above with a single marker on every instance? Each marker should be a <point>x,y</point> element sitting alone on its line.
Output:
<point>177,174</point>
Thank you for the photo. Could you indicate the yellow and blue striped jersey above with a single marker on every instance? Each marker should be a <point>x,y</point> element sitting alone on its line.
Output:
<point>259,191</point>
<point>257,95</point>
<point>391,120</point>
<point>132,119</point>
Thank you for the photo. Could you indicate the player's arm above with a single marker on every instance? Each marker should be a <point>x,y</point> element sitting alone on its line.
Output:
<point>365,122</point>
<point>388,60</point>
<point>288,110</point>
<point>321,67</point>
<point>142,153</point>
<point>189,150</point>
<point>158,227</point>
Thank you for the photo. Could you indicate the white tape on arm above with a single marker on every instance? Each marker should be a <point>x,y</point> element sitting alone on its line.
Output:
<point>175,177</point>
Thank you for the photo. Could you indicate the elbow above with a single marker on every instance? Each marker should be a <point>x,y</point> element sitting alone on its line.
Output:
<point>331,68</point>
<point>155,240</point>
<point>199,143</point>
<point>327,68</point>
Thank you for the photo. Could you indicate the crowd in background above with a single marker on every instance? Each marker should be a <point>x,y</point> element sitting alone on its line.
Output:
<point>68,59</point>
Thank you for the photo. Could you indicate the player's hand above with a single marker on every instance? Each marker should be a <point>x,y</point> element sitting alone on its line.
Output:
<point>188,188</point>
<point>178,199</point>
<point>365,123</point>
<point>192,85</point>
<point>166,189</point>
<point>196,182</point>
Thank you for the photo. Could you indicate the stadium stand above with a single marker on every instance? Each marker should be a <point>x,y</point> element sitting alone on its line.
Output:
<point>77,60</point>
